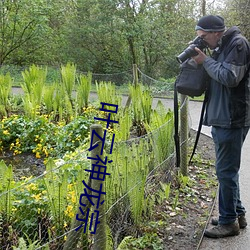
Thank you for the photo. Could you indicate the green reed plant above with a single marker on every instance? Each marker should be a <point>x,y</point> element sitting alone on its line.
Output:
<point>83,90</point>
<point>147,100</point>
<point>62,105</point>
<point>136,180</point>
<point>141,104</point>
<point>136,93</point>
<point>161,132</point>
<point>56,184</point>
<point>122,130</point>
<point>68,74</point>
<point>6,184</point>
<point>106,92</point>
<point>129,171</point>
<point>48,98</point>
<point>5,90</point>
<point>33,85</point>
<point>29,245</point>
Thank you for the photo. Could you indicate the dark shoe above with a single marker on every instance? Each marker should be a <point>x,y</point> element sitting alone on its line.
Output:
<point>221,231</point>
<point>241,219</point>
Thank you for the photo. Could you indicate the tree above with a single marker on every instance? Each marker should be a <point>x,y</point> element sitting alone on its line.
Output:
<point>20,22</point>
<point>237,13</point>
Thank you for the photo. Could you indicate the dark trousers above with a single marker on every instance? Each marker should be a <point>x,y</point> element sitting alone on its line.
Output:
<point>228,145</point>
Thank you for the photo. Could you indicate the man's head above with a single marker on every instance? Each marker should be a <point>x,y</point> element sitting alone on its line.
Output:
<point>211,28</point>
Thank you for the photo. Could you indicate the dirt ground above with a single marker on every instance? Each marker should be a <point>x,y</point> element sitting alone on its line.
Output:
<point>187,223</point>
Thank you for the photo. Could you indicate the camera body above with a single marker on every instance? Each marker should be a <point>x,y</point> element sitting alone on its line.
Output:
<point>190,51</point>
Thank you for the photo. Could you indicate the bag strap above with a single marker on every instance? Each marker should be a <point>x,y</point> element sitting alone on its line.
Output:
<point>176,126</point>
<point>199,127</point>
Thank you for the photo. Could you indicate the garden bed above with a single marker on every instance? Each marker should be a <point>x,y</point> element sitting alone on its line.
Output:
<point>179,221</point>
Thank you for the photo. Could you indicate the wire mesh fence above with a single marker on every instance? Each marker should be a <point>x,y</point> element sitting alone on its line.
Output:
<point>40,212</point>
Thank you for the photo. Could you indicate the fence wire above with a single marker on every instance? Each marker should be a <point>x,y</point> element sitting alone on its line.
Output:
<point>38,214</point>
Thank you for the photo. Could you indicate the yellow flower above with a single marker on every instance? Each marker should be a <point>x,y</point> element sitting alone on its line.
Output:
<point>69,211</point>
<point>37,196</point>
<point>14,209</point>
<point>38,155</point>
<point>73,199</point>
<point>31,187</point>
<point>6,132</point>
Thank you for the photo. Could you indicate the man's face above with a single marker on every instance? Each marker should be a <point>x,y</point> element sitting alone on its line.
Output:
<point>211,38</point>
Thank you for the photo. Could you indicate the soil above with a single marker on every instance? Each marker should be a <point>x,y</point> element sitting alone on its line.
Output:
<point>24,164</point>
<point>187,223</point>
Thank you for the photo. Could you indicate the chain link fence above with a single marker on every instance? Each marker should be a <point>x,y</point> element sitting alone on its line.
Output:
<point>40,212</point>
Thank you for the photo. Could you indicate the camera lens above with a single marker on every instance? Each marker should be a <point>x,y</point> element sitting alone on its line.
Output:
<point>187,53</point>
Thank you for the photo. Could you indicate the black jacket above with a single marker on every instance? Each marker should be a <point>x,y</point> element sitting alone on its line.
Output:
<point>229,90</point>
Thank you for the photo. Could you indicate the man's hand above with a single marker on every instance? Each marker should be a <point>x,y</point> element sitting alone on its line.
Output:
<point>200,58</point>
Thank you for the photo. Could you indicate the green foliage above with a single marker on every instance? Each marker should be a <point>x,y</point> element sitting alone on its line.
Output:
<point>56,186</point>
<point>129,171</point>
<point>34,81</point>
<point>122,130</point>
<point>22,245</point>
<point>30,205</point>
<point>164,192</point>
<point>147,241</point>
<point>103,36</point>
<point>48,98</point>
<point>68,74</point>
<point>83,91</point>
<point>106,92</point>
<point>141,109</point>
<point>6,184</point>
<point>5,90</point>
<point>161,128</point>
<point>41,136</point>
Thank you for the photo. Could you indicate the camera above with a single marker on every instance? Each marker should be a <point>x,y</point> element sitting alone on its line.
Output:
<point>190,51</point>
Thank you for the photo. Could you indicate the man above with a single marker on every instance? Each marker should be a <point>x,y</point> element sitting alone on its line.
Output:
<point>228,112</point>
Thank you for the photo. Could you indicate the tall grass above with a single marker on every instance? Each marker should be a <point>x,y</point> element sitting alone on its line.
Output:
<point>161,129</point>
<point>68,74</point>
<point>33,86</point>
<point>6,184</point>
<point>141,103</point>
<point>5,90</point>
<point>83,91</point>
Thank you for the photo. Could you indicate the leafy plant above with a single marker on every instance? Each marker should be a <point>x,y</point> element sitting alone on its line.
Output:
<point>141,109</point>
<point>34,81</point>
<point>30,208</point>
<point>6,184</point>
<point>161,128</point>
<point>5,90</point>
<point>164,191</point>
<point>68,74</point>
<point>147,241</point>
<point>83,91</point>
<point>48,98</point>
